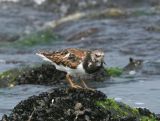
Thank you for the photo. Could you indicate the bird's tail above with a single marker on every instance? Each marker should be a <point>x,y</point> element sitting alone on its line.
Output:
<point>40,54</point>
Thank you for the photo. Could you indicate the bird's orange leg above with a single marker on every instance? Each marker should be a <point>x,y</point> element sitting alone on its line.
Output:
<point>70,81</point>
<point>85,86</point>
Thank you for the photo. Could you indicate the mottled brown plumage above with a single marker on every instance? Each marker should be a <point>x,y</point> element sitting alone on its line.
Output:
<point>75,62</point>
<point>70,57</point>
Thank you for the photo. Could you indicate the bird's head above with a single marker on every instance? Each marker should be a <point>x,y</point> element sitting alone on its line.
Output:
<point>135,62</point>
<point>97,56</point>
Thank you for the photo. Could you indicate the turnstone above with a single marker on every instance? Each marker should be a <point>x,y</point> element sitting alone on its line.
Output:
<point>133,66</point>
<point>75,62</point>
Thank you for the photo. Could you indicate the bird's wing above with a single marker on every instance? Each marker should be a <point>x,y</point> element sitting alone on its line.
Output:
<point>70,57</point>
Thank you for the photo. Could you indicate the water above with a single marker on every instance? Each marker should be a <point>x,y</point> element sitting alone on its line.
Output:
<point>9,97</point>
<point>137,92</point>
<point>120,39</point>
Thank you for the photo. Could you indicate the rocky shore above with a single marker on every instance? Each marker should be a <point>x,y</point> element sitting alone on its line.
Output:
<point>45,74</point>
<point>30,24</point>
<point>76,105</point>
<point>27,17</point>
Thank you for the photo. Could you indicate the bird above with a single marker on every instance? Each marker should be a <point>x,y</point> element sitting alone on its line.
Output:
<point>133,66</point>
<point>75,62</point>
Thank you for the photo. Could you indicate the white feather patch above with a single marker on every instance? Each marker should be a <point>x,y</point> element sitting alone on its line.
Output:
<point>43,57</point>
<point>66,56</point>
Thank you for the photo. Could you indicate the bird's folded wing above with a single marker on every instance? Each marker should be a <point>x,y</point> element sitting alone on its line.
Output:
<point>68,57</point>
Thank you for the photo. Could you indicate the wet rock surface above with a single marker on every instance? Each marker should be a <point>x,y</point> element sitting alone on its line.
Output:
<point>66,105</point>
<point>45,74</point>
<point>59,105</point>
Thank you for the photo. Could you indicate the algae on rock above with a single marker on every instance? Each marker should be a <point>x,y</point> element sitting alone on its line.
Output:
<point>114,71</point>
<point>119,111</point>
<point>42,37</point>
<point>7,78</point>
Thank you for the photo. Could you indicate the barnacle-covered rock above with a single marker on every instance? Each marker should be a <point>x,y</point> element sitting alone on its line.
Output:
<point>75,105</point>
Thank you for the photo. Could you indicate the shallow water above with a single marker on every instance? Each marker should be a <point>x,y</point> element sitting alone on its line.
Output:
<point>137,92</point>
<point>9,97</point>
<point>120,39</point>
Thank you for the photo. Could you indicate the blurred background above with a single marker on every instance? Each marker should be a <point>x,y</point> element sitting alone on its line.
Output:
<point>122,28</point>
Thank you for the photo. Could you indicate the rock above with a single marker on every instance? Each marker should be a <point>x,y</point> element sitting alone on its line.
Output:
<point>59,104</point>
<point>8,37</point>
<point>74,105</point>
<point>4,118</point>
<point>45,74</point>
<point>82,34</point>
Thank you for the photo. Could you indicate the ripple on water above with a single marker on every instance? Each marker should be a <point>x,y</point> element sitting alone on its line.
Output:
<point>136,93</point>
